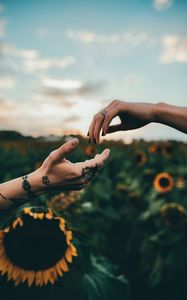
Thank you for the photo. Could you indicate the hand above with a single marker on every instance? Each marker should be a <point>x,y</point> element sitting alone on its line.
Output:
<point>132,116</point>
<point>58,172</point>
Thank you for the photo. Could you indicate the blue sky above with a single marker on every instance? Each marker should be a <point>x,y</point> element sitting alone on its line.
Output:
<point>61,61</point>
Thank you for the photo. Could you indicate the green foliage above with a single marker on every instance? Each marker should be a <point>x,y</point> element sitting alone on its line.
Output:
<point>119,217</point>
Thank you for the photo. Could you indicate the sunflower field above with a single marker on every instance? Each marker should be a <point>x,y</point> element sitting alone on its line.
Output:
<point>123,237</point>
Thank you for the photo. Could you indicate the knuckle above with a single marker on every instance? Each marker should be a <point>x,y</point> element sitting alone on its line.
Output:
<point>52,156</point>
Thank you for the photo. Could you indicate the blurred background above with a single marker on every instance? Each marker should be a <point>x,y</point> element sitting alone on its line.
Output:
<point>62,61</point>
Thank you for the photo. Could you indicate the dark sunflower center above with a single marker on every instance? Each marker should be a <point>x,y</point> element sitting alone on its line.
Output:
<point>164,182</point>
<point>175,217</point>
<point>37,245</point>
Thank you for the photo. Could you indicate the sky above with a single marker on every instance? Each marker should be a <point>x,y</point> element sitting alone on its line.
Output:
<point>61,61</point>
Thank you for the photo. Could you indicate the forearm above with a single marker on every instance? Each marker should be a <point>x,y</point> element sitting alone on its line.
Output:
<point>20,190</point>
<point>173,116</point>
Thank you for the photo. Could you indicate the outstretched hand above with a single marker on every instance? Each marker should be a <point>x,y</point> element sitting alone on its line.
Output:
<point>132,115</point>
<point>58,172</point>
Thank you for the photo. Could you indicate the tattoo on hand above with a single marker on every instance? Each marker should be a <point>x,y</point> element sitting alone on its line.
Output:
<point>45,180</point>
<point>27,187</point>
<point>89,172</point>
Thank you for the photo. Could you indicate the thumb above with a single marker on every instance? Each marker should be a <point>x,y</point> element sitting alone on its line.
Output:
<point>60,153</point>
<point>114,128</point>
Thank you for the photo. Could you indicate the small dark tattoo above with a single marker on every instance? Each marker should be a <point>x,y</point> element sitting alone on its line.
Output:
<point>45,180</point>
<point>15,201</point>
<point>89,172</point>
<point>27,187</point>
<point>3,197</point>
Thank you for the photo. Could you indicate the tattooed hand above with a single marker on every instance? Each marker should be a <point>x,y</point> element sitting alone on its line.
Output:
<point>57,171</point>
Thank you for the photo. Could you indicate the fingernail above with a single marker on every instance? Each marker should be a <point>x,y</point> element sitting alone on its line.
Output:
<point>74,142</point>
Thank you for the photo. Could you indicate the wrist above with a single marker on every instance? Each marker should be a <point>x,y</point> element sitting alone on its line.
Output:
<point>157,111</point>
<point>35,180</point>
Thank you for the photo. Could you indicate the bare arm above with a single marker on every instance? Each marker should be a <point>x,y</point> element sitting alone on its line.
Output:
<point>173,116</point>
<point>55,172</point>
<point>134,115</point>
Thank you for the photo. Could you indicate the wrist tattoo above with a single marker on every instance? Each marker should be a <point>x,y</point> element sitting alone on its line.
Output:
<point>27,187</point>
<point>45,180</point>
<point>89,172</point>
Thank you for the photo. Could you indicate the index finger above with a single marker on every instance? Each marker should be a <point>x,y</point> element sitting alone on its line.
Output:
<point>99,160</point>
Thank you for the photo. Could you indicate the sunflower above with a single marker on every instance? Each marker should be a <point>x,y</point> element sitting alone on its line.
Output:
<point>174,215</point>
<point>167,150</point>
<point>163,182</point>
<point>36,247</point>
<point>152,149</point>
<point>62,201</point>
<point>90,151</point>
<point>140,158</point>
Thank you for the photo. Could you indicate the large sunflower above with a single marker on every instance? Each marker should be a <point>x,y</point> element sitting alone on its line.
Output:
<point>163,182</point>
<point>35,248</point>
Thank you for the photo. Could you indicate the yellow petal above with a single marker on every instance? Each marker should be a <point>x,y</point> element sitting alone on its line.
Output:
<point>68,255</point>
<point>58,269</point>
<point>63,265</point>
<point>31,277</point>
<point>35,215</point>
<point>20,221</point>
<point>39,278</point>
<point>73,250</point>
<point>48,216</point>
<point>68,236</point>
<point>41,216</point>
<point>46,275</point>
<point>14,224</point>
<point>27,210</point>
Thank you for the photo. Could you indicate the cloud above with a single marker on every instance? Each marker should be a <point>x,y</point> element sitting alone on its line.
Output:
<point>174,49</point>
<point>48,117</point>
<point>128,38</point>
<point>162,4</point>
<point>3,24</point>
<point>71,119</point>
<point>69,88</point>
<point>135,39</point>
<point>88,37</point>
<point>6,82</point>
<point>37,64</point>
<point>32,61</point>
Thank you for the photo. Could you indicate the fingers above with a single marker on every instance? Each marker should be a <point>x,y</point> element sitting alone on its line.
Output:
<point>98,160</point>
<point>91,132</point>
<point>60,153</point>
<point>101,122</point>
<point>108,118</point>
<point>97,127</point>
